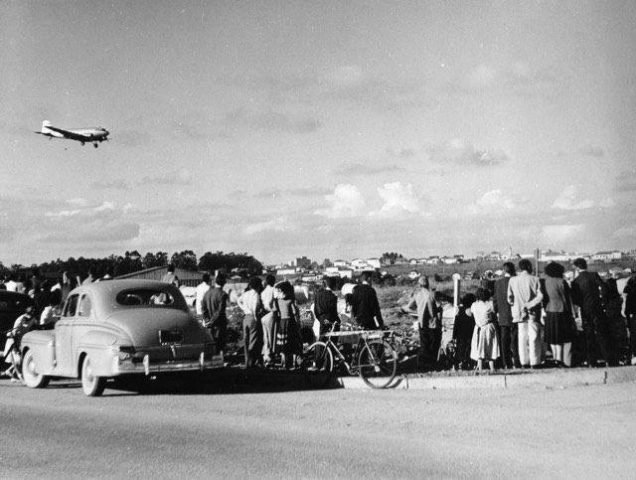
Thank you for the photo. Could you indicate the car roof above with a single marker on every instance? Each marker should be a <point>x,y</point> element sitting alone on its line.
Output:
<point>105,291</point>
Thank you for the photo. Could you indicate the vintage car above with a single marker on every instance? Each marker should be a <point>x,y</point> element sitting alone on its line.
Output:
<point>118,328</point>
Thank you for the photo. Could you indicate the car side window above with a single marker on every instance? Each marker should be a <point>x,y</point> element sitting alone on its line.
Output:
<point>71,306</point>
<point>84,309</point>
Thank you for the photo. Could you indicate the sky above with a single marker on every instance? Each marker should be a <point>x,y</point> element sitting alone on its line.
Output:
<point>326,129</point>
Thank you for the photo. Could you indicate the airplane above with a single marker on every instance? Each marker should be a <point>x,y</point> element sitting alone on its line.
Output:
<point>83,135</point>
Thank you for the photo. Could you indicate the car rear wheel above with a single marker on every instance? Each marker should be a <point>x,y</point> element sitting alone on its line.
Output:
<point>32,378</point>
<point>92,385</point>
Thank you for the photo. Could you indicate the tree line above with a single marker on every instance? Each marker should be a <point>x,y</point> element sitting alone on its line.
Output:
<point>133,261</point>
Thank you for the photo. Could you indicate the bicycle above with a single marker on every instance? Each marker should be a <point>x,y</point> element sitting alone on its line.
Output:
<point>373,358</point>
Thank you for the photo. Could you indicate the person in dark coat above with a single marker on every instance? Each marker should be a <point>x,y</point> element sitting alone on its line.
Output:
<point>508,331</point>
<point>587,291</point>
<point>365,308</point>
<point>213,307</point>
<point>560,330</point>
<point>463,333</point>
<point>326,306</point>
<point>630,312</point>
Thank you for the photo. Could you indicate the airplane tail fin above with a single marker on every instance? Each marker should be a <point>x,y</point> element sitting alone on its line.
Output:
<point>45,125</point>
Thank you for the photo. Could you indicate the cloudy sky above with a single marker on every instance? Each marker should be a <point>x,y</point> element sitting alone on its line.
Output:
<point>327,129</point>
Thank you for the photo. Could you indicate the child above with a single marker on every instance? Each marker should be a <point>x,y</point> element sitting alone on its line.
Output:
<point>463,329</point>
<point>484,345</point>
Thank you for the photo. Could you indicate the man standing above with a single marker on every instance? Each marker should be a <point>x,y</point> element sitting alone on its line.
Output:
<point>429,319</point>
<point>200,292</point>
<point>365,308</point>
<point>587,291</point>
<point>252,306</point>
<point>213,311</point>
<point>507,329</point>
<point>629,294</point>
<point>326,305</point>
<point>268,322</point>
<point>524,295</point>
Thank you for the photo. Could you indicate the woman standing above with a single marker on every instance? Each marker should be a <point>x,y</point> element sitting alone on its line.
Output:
<point>287,334</point>
<point>484,346</point>
<point>559,323</point>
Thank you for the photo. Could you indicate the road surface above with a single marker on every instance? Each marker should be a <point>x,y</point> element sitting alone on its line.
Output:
<point>582,432</point>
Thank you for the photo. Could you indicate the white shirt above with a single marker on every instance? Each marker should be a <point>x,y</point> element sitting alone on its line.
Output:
<point>11,286</point>
<point>200,293</point>
<point>267,296</point>
<point>250,303</point>
<point>47,315</point>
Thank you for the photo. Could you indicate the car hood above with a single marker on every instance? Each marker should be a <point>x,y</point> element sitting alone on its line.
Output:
<point>143,325</point>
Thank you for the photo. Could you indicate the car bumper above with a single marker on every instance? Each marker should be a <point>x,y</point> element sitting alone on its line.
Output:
<point>148,367</point>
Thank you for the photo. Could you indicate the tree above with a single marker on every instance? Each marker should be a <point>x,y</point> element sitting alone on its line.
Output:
<point>187,260</point>
<point>228,261</point>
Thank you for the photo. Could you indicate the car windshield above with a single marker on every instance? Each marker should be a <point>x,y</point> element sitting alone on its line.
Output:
<point>147,297</point>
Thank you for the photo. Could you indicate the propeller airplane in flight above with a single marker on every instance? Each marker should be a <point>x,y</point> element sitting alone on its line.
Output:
<point>94,135</point>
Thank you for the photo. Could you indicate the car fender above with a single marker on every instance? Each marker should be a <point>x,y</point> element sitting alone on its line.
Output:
<point>101,346</point>
<point>42,345</point>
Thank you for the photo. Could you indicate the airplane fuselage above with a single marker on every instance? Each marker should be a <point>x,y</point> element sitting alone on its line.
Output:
<point>94,135</point>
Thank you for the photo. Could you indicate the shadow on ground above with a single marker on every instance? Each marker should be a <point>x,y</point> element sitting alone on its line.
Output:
<point>222,381</point>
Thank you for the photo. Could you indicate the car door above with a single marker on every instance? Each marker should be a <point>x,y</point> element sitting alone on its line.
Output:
<point>63,336</point>
<point>82,324</point>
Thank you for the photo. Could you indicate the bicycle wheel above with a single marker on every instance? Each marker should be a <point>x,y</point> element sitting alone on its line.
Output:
<point>317,365</point>
<point>378,363</point>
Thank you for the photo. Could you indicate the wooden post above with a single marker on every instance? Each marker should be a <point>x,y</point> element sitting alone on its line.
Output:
<point>456,287</point>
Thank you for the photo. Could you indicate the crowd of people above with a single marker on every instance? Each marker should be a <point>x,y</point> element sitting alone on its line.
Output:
<point>509,322</point>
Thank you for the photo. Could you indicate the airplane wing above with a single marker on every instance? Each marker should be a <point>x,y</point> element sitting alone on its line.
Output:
<point>71,135</point>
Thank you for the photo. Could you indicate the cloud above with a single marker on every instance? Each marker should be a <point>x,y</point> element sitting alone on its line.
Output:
<point>492,201</point>
<point>561,233</point>
<point>111,185</point>
<point>360,168</point>
<point>626,182</point>
<point>350,83</point>
<point>346,76</point>
<point>131,138</point>
<point>518,78</point>
<point>177,177</point>
<point>85,210</point>
<point>568,200</point>
<point>592,151</point>
<point>625,233</point>
<point>607,203</point>
<point>272,121</point>
<point>103,222</point>
<point>398,199</point>
<point>480,77</point>
<point>97,231</point>
<point>345,202</point>
<point>280,224</point>
<point>461,152</point>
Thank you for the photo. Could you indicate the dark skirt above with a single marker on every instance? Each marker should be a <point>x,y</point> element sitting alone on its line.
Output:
<point>288,336</point>
<point>559,328</point>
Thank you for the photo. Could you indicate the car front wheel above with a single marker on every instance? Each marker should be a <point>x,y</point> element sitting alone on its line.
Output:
<point>92,385</point>
<point>32,378</point>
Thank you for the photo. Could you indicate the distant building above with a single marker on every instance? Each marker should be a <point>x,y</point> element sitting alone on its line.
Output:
<point>301,262</point>
<point>607,256</point>
<point>374,263</point>
<point>340,263</point>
